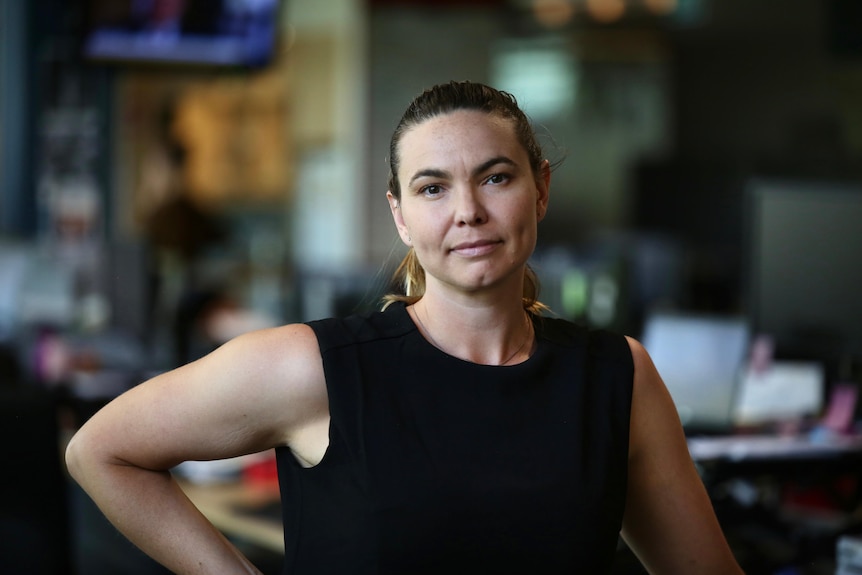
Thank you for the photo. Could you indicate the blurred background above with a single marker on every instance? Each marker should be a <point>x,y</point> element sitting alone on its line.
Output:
<point>174,173</point>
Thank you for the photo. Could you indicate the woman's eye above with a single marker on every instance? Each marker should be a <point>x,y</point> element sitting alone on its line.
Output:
<point>431,190</point>
<point>496,179</point>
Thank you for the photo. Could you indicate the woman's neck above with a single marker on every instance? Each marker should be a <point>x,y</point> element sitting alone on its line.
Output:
<point>485,334</point>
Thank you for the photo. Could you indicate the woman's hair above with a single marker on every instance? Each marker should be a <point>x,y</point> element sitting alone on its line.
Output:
<point>409,277</point>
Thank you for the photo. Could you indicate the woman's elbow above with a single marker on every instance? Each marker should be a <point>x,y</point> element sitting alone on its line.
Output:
<point>81,455</point>
<point>75,455</point>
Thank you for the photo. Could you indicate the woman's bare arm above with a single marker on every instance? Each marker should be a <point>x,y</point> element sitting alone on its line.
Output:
<point>669,521</point>
<point>253,393</point>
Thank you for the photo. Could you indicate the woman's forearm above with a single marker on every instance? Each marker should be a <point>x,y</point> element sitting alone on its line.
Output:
<point>152,511</point>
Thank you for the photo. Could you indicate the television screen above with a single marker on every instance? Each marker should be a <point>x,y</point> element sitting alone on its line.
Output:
<point>200,32</point>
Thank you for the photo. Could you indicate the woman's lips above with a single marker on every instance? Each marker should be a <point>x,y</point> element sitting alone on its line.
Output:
<point>478,248</point>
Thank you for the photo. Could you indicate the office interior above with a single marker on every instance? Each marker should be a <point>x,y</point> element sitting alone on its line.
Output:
<point>708,169</point>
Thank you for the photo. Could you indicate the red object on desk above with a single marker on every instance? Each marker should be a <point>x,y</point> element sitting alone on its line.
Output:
<point>263,472</point>
<point>835,494</point>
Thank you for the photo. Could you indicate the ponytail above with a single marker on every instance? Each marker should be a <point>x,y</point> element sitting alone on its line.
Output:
<point>408,279</point>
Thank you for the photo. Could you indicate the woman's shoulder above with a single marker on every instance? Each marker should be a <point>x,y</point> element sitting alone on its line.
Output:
<point>288,352</point>
<point>274,340</point>
<point>363,327</point>
<point>596,341</point>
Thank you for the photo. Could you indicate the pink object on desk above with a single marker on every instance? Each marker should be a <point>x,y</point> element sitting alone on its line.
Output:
<point>842,406</point>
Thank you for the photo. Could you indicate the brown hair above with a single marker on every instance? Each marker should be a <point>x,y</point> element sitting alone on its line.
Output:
<point>439,100</point>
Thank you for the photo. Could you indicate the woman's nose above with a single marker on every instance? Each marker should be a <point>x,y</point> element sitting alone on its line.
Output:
<point>469,207</point>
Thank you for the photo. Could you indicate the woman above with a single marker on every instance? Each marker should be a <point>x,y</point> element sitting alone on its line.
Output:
<point>457,431</point>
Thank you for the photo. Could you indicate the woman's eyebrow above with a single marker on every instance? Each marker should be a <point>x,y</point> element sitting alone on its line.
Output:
<point>437,173</point>
<point>493,162</point>
<point>429,173</point>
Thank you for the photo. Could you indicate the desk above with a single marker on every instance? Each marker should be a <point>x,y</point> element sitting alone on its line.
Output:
<point>229,507</point>
<point>739,455</point>
<point>782,500</point>
<point>772,447</point>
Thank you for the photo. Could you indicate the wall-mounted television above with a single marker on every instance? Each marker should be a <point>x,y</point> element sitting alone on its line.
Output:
<point>220,33</point>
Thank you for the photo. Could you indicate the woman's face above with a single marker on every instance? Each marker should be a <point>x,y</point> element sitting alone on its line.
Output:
<point>469,201</point>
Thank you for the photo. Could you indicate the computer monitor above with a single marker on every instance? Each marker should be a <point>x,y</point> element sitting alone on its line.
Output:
<point>805,268</point>
<point>700,358</point>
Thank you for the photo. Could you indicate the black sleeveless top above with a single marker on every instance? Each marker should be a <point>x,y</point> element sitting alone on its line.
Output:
<point>438,465</point>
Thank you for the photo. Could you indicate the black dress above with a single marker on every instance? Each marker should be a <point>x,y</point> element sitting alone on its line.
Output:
<point>438,465</point>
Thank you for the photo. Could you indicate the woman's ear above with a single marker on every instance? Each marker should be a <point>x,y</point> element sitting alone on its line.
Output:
<point>543,187</point>
<point>398,218</point>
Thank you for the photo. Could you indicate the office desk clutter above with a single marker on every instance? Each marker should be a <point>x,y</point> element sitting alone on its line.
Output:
<point>783,500</point>
<point>724,380</point>
<point>781,391</point>
<point>253,469</point>
<point>775,440</point>
<point>849,555</point>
